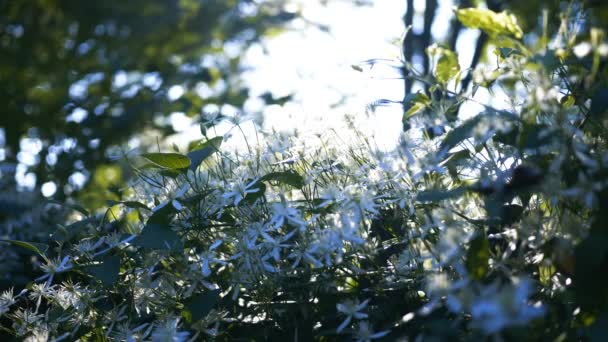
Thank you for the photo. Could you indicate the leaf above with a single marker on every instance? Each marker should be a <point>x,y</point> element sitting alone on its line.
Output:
<point>201,151</point>
<point>492,23</point>
<point>439,195</point>
<point>156,233</point>
<point>460,133</point>
<point>72,206</point>
<point>415,103</point>
<point>38,248</point>
<point>599,102</point>
<point>286,177</point>
<point>200,306</point>
<point>251,197</point>
<point>476,260</point>
<point>545,272</point>
<point>535,136</point>
<point>128,204</point>
<point>357,68</point>
<point>511,213</point>
<point>447,65</point>
<point>107,271</point>
<point>567,101</point>
<point>173,161</point>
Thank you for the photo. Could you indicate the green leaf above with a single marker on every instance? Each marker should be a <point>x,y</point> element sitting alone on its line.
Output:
<point>158,236</point>
<point>492,23</point>
<point>289,177</point>
<point>107,271</point>
<point>511,213</point>
<point>128,204</point>
<point>437,195</point>
<point>599,102</point>
<point>460,133</point>
<point>72,206</point>
<point>202,150</point>
<point>251,197</point>
<point>545,272</point>
<point>38,248</point>
<point>534,136</point>
<point>200,306</point>
<point>414,104</point>
<point>172,161</point>
<point>447,65</point>
<point>476,260</point>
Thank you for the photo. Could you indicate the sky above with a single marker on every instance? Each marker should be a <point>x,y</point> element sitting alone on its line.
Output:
<point>316,66</point>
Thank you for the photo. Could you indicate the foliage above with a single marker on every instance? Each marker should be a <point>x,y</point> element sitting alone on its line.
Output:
<point>474,228</point>
<point>81,78</point>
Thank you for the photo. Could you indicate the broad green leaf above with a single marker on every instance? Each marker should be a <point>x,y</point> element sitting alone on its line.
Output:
<point>202,150</point>
<point>476,260</point>
<point>535,136</point>
<point>38,248</point>
<point>173,161</point>
<point>437,195</point>
<point>511,213</point>
<point>212,142</point>
<point>492,23</point>
<point>599,102</point>
<point>460,133</point>
<point>200,306</point>
<point>128,204</point>
<point>447,65</point>
<point>414,104</point>
<point>286,177</point>
<point>107,271</point>
<point>567,101</point>
<point>158,236</point>
<point>251,197</point>
<point>72,206</point>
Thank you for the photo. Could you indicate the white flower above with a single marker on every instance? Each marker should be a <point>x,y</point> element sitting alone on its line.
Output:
<point>209,258</point>
<point>239,189</point>
<point>168,332</point>
<point>496,309</point>
<point>351,308</point>
<point>6,300</point>
<point>365,332</point>
<point>281,213</point>
<point>582,49</point>
<point>54,266</point>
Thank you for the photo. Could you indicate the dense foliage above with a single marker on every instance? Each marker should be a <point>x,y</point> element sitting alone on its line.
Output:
<point>476,227</point>
<point>82,77</point>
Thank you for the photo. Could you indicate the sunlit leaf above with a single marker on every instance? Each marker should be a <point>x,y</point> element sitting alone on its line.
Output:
<point>201,151</point>
<point>173,161</point>
<point>447,63</point>
<point>285,177</point>
<point>492,23</point>
<point>414,104</point>
<point>477,257</point>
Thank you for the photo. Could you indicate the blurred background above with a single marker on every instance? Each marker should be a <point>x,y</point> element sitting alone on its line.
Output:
<point>84,83</point>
